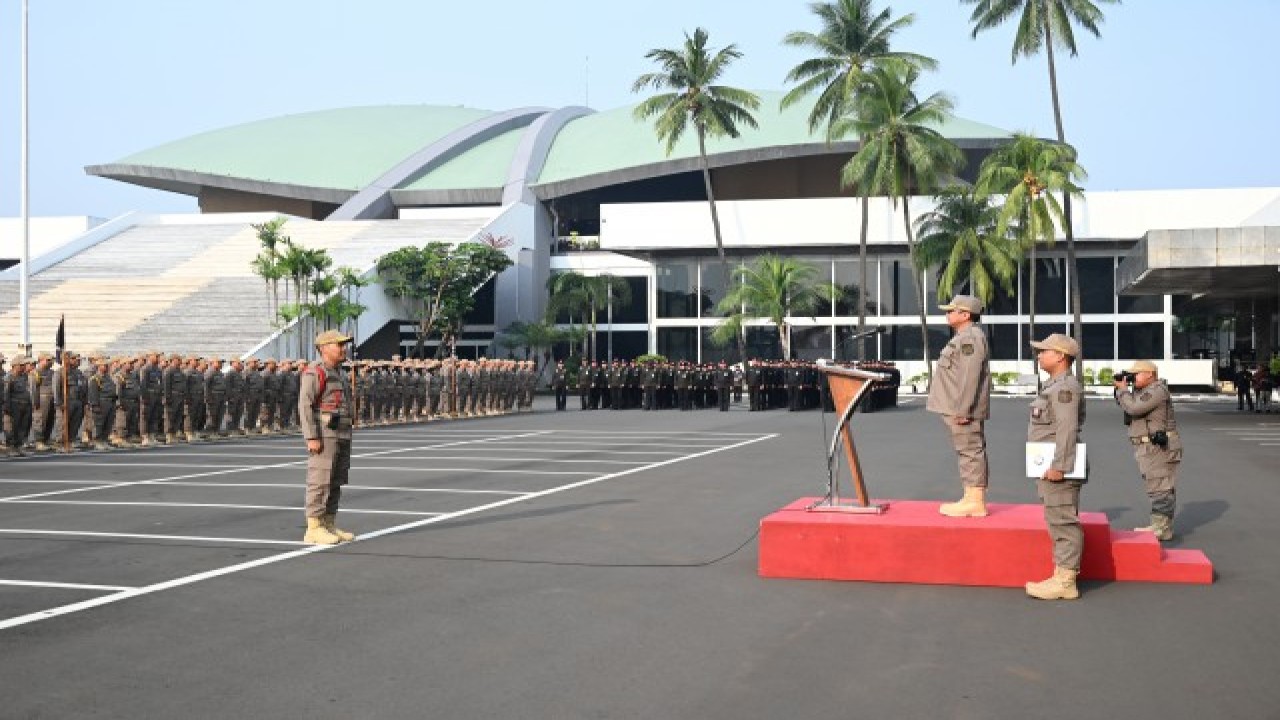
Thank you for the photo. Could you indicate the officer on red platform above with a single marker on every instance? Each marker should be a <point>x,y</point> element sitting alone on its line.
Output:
<point>960,392</point>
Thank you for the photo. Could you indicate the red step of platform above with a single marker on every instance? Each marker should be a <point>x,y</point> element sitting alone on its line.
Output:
<point>912,543</point>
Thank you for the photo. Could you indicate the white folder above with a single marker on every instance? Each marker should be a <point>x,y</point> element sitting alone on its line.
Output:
<point>1040,458</point>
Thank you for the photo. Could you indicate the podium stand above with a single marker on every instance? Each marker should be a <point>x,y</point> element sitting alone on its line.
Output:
<point>847,386</point>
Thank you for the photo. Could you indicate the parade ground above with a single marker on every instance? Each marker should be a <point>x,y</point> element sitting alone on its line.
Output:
<point>603,565</point>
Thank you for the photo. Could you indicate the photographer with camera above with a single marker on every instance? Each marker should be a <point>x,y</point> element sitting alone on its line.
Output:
<point>1153,432</point>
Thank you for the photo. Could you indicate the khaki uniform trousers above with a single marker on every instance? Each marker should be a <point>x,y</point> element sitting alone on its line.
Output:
<point>1062,516</point>
<point>327,472</point>
<point>970,443</point>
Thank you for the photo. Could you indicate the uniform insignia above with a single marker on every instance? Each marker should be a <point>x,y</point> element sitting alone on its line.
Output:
<point>1145,396</point>
<point>1064,396</point>
<point>966,349</point>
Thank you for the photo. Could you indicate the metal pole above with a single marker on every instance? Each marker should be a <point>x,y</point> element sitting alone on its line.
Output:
<point>24,332</point>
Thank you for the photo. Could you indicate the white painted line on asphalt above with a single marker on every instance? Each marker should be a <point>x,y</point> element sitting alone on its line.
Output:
<point>374,468</point>
<point>146,536</point>
<point>346,488</point>
<point>593,443</point>
<point>69,586</point>
<point>518,459</point>
<point>289,508</point>
<point>20,481</point>
<point>594,451</point>
<point>231,569</point>
<point>73,463</point>
<point>156,481</point>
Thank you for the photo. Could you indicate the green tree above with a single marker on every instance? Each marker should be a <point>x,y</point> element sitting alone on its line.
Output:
<point>536,339</point>
<point>959,237</point>
<point>775,288</point>
<point>1044,25</point>
<point>901,153</point>
<point>1027,172</point>
<point>438,282</point>
<point>853,40</point>
<point>267,263</point>
<point>585,297</point>
<point>691,97</point>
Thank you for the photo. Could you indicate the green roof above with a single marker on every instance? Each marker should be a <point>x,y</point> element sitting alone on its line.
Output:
<point>614,139</point>
<point>483,166</point>
<point>344,149</point>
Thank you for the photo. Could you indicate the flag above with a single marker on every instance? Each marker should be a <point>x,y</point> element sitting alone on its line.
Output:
<point>61,339</point>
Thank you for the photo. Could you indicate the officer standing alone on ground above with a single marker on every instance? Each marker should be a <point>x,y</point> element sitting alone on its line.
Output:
<point>325,411</point>
<point>1153,432</point>
<point>1057,416</point>
<point>560,383</point>
<point>960,392</point>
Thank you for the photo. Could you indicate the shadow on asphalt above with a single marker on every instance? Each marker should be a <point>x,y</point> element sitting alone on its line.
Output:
<point>1199,513</point>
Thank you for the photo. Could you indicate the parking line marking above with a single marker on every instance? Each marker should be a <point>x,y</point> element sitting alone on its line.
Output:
<point>70,586</point>
<point>140,503</point>
<point>519,471</point>
<point>347,488</point>
<point>231,569</point>
<point>148,536</point>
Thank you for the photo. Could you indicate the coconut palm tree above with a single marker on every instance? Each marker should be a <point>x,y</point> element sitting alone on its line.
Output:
<point>1046,24</point>
<point>688,96</point>
<point>902,152</point>
<point>586,296</point>
<point>959,237</point>
<point>853,40</point>
<point>775,288</point>
<point>1027,172</point>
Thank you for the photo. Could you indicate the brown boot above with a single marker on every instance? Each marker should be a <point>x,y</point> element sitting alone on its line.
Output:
<point>1060,586</point>
<point>329,521</point>
<point>318,534</point>
<point>973,504</point>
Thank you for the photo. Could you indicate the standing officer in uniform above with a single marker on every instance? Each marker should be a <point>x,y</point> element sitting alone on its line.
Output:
<point>584,385</point>
<point>69,403</point>
<point>961,393</point>
<point>253,390</point>
<point>173,389</point>
<point>290,386</point>
<point>270,397</point>
<point>724,381</point>
<point>1057,416</point>
<point>151,377</point>
<point>325,412</point>
<point>40,378</point>
<point>560,383</point>
<point>18,406</point>
<point>102,403</point>
<point>215,399</point>
<point>195,400</point>
<point>235,397</point>
<point>128,404</point>
<point>1153,432</point>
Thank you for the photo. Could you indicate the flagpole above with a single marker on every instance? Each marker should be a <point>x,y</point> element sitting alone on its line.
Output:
<point>24,334</point>
<point>60,343</point>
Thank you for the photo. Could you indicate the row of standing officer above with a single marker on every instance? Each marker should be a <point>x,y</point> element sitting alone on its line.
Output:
<point>960,393</point>
<point>396,390</point>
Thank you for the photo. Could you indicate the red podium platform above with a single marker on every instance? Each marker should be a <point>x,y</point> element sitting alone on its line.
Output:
<point>911,543</point>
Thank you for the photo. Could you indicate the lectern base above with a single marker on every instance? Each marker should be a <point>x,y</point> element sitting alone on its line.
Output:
<point>912,543</point>
<point>848,506</point>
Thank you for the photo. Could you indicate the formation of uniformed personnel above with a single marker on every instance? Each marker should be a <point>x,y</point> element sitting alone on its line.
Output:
<point>70,394</point>
<point>17,404</point>
<point>1057,416</point>
<point>960,392</point>
<point>41,379</point>
<point>1153,432</point>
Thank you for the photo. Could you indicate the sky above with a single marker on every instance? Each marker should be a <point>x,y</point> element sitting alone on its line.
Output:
<point>1175,94</point>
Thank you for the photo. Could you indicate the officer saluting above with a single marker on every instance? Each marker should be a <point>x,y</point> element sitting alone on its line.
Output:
<point>325,411</point>
<point>1153,432</point>
<point>1057,416</point>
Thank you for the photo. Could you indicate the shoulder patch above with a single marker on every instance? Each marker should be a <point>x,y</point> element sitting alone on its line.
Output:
<point>966,349</point>
<point>1065,396</point>
<point>1145,395</point>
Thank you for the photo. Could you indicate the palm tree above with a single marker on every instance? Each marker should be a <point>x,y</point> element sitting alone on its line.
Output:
<point>959,236</point>
<point>586,296</point>
<point>902,152</point>
<point>691,98</point>
<point>1027,172</point>
<point>1043,24</point>
<point>853,40</point>
<point>772,287</point>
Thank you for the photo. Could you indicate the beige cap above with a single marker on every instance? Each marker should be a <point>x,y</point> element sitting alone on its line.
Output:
<point>964,302</point>
<point>1142,366</point>
<point>330,337</point>
<point>1057,341</point>
<point>20,360</point>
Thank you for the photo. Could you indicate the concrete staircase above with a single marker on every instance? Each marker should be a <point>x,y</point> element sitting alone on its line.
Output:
<point>185,284</point>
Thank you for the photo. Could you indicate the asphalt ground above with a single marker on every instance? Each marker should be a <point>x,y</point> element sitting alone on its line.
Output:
<point>603,565</point>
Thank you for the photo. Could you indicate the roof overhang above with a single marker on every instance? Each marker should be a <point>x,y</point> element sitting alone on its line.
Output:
<point>1236,262</point>
<point>189,182</point>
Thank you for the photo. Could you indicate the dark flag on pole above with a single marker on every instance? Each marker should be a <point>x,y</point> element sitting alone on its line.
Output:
<point>61,340</point>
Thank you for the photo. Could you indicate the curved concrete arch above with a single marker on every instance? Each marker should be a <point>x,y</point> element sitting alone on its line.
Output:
<point>374,200</point>
<point>531,155</point>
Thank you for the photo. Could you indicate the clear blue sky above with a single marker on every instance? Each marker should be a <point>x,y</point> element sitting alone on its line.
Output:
<point>1176,94</point>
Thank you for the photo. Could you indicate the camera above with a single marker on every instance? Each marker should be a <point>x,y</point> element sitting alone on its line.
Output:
<point>1127,377</point>
<point>332,420</point>
<point>1159,438</point>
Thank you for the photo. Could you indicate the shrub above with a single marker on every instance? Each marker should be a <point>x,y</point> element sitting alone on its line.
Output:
<point>1106,376</point>
<point>651,358</point>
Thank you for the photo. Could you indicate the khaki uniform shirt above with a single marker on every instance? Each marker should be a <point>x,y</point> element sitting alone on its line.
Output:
<point>961,383</point>
<point>315,409</point>
<point>1149,410</point>
<point>1057,416</point>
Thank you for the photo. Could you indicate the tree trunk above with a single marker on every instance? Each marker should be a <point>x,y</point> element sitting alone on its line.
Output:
<point>715,225</point>
<point>1031,307</point>
<point>920,288</point>
<point>1077,327</point>
<point>862,281</point>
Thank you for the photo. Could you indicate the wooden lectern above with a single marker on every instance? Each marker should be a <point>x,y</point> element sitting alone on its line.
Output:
<point>847,387</point>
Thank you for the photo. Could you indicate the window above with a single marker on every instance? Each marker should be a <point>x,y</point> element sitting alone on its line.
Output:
<point>711,290</point>
<point>898,294</point>
<point>1051,287</point>
<point>762,342</point>
<point>1141,341</point>
<point>1133,304</point>
<point>849,278</point>
<point>810,343</point>
<point>902,342</point>
<point>637,311</point>
<point>1097,284</point>
<point>678,343</point>
<point>676,282</point>
<point>713,353</point>
<point>1003,340</point>
<point>1098,341</point>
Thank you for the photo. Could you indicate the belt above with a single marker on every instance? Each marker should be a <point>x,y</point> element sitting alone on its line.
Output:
<point>1146,439</point>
